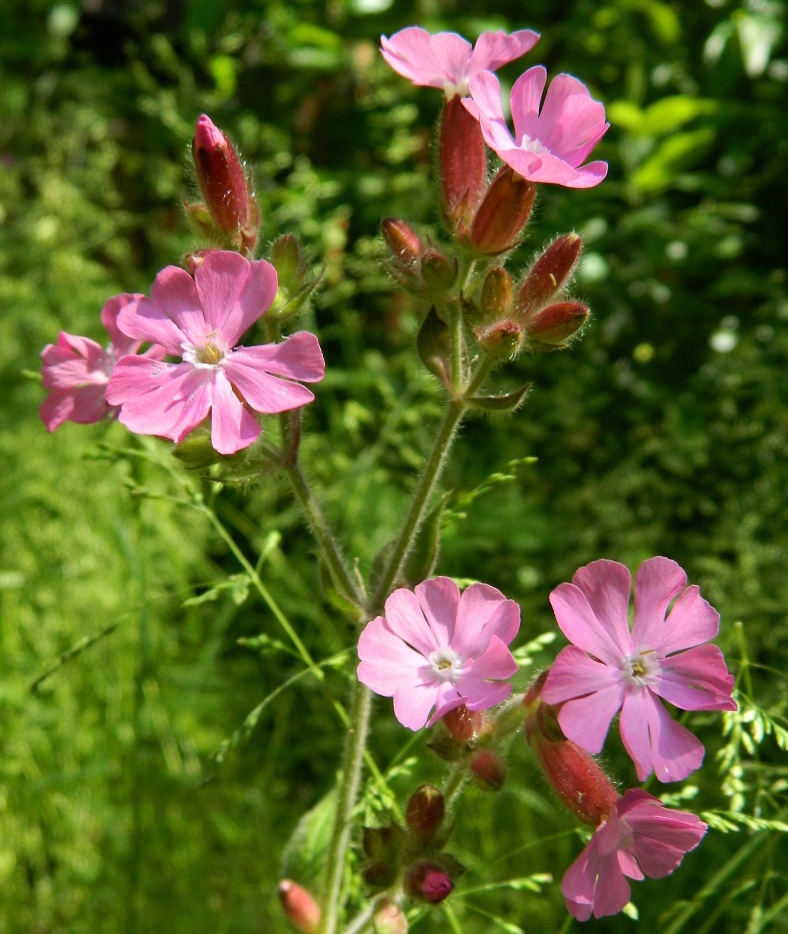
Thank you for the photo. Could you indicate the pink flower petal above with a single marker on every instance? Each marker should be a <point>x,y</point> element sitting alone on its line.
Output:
<point>607,585</point>
<point>85,406</point>
<point>661,836</point>
<point>405,619</point>
<point>299,357</point>
<point>579,882</point>
<point>412,705</point>
<point>176,295</point>
<point>264,393</point>
<point>629,866</point>
<point>692,621</point>
<point>580,625</point>
<point>580,127</point>
<point>454,54</point>
<point>67,368</point>
<point>482,612</point>
<point>255,299</point>
<point>387,663</point>
<point>596,879</point>
<point>658,581</point>
<point>232,426</point>
<point>495,49</point>
<point>655,741</point>
<point>575,674</point>
<point>220,279</point>
<point>586,721</point>
<point>697,679</point>
<point>121,344</point>
<point>409,52</point>
<point>438,599</point>
<point>525,100</point>
<point>497,663</point>
<point>480,694</point>
<point>445,705</point>
<point>146,321</point>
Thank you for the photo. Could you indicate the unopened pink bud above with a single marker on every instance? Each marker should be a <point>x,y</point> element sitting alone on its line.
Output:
<point>576,778</point>
<point>403,242</point>
<point>503,213</point>
<point>550,273</point>
<point>390,919</point>
<point>556,323</point>
<point>425,813</point>
<point>300,907</point>
<point>488,769</point>
<point>223,182</point>
<point>429,881</point>
<point>463,164</point>
<point>464,724</point>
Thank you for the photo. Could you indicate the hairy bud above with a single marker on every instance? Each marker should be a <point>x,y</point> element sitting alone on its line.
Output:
<point>557,323</point>
<point>223,183</point>
<point>403,242</point>
<point>464,724</point>
<point>497,294</point>
<point>503,213</point>
<point>390,919</point>
<point>300,907</point>
<point>577,779</point>
<point>501,339</point>
<point>488,770</point>
<point>425,813</point>
<point>427,880</point>
<point>549,274</point>
<point>438,272</point>
<point>463,164</point>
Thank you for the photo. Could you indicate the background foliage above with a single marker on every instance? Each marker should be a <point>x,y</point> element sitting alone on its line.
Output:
<point>663,431</point>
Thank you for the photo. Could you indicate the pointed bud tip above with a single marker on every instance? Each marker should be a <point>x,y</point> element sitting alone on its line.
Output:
<point>300,907</point>
<point>207,135</point>
<point>557,323</point>
<point>489,770</point>
<point>425,813</point>
<point>403,242</point>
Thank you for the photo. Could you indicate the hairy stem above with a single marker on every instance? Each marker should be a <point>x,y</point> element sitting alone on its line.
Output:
<point>352,759</point>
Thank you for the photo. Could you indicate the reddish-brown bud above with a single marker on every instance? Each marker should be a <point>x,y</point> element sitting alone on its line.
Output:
<point>464,724</point>
<point>300,907</point>
<point>403,242</point>
<point>534,692</point>
<point>194,260</point>
<point>503,213</point>
<point>488,769</point>
<point>501,339</point>
<point>576,778</point>
<point>550,273</point>
<point>390,919</point>
<point>497,294</point>
<point>463,164</point>
<point>429,881</point>
<point>223,183</point>
<point>557,323</point>
<point>425,813</point>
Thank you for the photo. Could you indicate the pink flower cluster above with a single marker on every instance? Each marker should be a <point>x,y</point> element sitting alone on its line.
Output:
<point>550,141</point>
<point>198,320</point>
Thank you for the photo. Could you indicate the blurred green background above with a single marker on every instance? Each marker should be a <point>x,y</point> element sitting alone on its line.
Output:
<point>662,432</point>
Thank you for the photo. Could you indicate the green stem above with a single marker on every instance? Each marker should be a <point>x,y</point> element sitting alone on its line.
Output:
<point>348,791</point>
<point>335,563</point>
<point>454,785</point>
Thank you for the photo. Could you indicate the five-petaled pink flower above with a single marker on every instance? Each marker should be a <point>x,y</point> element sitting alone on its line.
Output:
<point>643,838</point>
<point>200,320</point>
<point>610,667</point>
<point>77,370</point>
<point>438,648</point>
<point>447,61</point>
<point>550,146</point>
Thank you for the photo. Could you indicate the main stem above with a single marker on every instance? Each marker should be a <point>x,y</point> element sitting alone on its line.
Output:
<point>348,791</point>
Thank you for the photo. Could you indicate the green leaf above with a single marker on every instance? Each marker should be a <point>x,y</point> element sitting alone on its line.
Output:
<point>507,402</point>
<point>305,852</point>
<point>664,116</point>
<point>673,156</point>
<point>338,600</point>
<point>422,557</point>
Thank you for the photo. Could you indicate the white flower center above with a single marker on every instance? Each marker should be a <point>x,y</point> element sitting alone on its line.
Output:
<point>641,668</point>
<point>207,357</point>
<point>445,664</point>
<point>450,89</point>
<point>532,145</point>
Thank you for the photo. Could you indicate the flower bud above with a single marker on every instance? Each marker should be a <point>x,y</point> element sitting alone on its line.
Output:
<point>379,875</point>
<point>534,692</point>
<point>503,213</point>
<point>403,242</point>
<point>464,724</point>
<point>437,271</point>
<point>428,880</point>
<point>194,260</point>
<point>196,452</point>
<point>390,919</point>
<point>501,339</point>
<point>382,843</point>
<point>576,778</point>
<point>497,294</point>
<point>301,909</point>
<point>549,274</point>
<point>223,183</point>
<point>425,813</point>
<point>488,769</point>
<point>556,323</point>
<point>288,260</point>
<point>463,164</point>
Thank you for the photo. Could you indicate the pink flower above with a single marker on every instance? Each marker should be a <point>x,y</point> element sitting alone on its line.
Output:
<point>447,61</point>
<point>77,370</point>
<point>610,667</point>
<point>549,146</point>
<point>437,648</point>
<point>642,839</point>
<point>200,320</point>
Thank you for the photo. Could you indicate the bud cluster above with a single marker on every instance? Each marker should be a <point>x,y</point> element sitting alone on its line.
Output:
<point>505,317</point>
